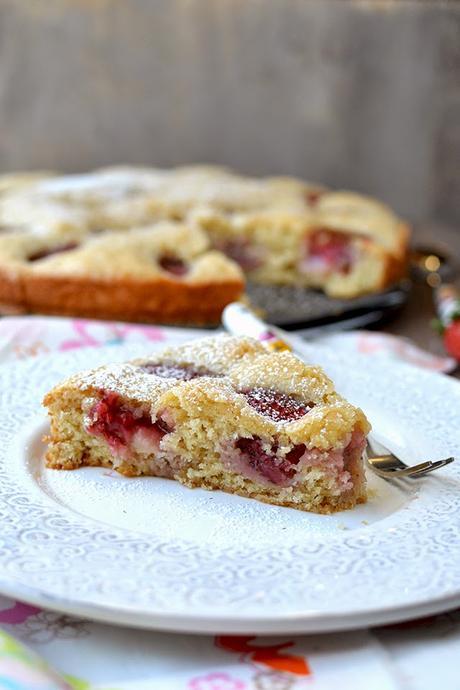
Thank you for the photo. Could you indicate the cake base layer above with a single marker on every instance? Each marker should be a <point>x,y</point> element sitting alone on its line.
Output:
<point>153,301</point>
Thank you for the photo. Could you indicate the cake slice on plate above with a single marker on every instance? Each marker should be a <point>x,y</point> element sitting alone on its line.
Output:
<point>218,413</point>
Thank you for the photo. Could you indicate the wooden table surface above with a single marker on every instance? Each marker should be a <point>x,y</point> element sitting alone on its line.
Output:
<point>414,320</point>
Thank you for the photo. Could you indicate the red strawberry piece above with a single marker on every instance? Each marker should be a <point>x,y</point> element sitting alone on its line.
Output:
<point>452,339</point>
<point>117,423</point>
<point>331,250</point>
<point>276,469</point>
<point>312,196</point>
<point>279,407</point>
<point>43,253</point>
<point>174,265</point>
<point>241,251</point>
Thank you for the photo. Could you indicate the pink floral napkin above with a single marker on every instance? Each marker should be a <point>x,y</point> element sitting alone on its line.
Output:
<point>30,336</point>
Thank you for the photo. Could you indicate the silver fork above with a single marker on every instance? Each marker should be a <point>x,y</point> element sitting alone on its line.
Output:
<point>389,466</point>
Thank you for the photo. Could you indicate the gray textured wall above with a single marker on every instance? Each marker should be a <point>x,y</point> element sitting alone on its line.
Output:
<point>350,93</point>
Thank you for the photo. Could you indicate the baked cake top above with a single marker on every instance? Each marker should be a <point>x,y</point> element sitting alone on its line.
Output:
<point>168,250</point>
<point>122,197</point>
<point>271,392</point>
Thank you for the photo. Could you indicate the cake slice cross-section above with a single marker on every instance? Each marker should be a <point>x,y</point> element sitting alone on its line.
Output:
<point>218,413</point>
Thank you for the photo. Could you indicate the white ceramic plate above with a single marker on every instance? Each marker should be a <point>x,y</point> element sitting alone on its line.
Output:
<point>149,552</point>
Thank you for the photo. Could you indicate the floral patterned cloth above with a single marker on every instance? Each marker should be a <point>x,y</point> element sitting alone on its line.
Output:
<point>44,650</point>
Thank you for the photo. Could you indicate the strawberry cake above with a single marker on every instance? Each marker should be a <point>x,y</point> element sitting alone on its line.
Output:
<point>277,231</point>
<point>218,413</point>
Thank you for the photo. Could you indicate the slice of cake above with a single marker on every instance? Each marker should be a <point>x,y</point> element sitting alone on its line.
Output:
<point>218,413</point>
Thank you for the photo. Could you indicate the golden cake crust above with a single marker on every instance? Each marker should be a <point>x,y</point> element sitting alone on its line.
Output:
<point>265,224</point>
<point>118,276</point>
<point>148,301</point>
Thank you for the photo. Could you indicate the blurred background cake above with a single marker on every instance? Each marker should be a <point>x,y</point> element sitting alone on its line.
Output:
<point>361,95</point>
<point>358,95</point>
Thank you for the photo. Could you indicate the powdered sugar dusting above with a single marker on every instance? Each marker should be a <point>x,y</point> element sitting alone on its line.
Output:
<point>300,397</point>
<point>148,504</point>
<point>277,406</point>
<point>181,372</point>
<point>217,353</point>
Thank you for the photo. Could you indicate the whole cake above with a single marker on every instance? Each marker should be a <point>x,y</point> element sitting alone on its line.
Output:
<point>218,413</point>
<point>279,231</point>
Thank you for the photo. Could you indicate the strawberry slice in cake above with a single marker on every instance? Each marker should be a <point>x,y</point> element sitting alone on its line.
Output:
<point>218,413</point>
